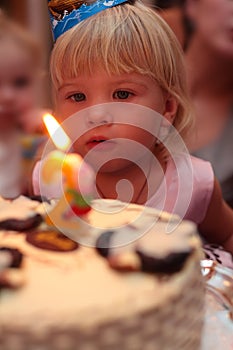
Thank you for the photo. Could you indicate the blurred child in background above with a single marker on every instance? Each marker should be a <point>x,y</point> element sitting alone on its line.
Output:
<point>209,64</point>
<point>207,40</point>
<point>20,70</point>
<point>172,12</point>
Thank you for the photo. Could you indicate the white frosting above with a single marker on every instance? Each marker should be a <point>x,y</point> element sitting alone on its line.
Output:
<point>20,208</point>
<point>79,287</point>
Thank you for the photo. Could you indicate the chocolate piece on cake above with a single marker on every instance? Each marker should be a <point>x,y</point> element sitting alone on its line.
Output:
<point>22,214</point>
<point>39,198</point>
<point>103,243</point>
<point>16,256</point>
<point>143,254</point>
<point>51,240</point>
<point>10,273</point>
<point>171,263</point>
<point>21,225</point>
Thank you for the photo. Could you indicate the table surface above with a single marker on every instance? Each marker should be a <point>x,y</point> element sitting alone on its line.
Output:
<point>218,327</point>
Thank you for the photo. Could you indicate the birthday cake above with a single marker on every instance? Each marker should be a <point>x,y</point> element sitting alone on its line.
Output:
<point>132,281</point>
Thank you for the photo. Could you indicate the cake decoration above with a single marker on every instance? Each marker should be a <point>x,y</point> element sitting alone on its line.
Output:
<point>103,243</point>
<point>101,302</point>
<point>16,256</point>
<point>11,275</point>
<point>169,264</point>
<point>136,257</point>
<point>65,14</point>
<point>126,262</point>
<point>19,214</point>
<point>77,179</point>
<point>21,225</point>
<point>5,259</point>
<point>39,198</point>
<point>51,240</point>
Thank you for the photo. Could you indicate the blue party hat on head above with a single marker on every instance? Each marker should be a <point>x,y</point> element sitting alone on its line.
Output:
<point>65,14</point>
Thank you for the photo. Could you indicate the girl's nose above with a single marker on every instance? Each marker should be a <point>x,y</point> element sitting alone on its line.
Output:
<point>99,115</point>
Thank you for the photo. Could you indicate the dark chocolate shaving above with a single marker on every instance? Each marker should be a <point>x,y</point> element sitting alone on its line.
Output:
<point>21,225</point>
<point>39,198</point>
<point>51,240</point>
<point>103,243</point>
<point>17,256</point>
<point>171,263</point>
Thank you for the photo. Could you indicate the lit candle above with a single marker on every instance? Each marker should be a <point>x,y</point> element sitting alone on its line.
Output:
<point>57,134</point>
<point>77,178</point>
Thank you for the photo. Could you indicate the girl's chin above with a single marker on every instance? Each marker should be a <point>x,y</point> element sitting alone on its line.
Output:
<point>110,166</point>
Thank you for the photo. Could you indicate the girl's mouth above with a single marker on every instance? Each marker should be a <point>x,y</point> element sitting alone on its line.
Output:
<point>100,143</point>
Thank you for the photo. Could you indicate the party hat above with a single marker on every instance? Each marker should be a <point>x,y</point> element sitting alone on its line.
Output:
<point>65,14</point>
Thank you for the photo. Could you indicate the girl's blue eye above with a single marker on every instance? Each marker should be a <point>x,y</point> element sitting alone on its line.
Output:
<point>78,97</point>
<point>121,94</point>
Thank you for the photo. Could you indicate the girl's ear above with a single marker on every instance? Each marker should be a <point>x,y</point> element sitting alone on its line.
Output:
<point>171,106</point>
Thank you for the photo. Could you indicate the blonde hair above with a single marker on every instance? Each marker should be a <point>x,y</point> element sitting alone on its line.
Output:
<point>20,36</point>
<point>124,39</point>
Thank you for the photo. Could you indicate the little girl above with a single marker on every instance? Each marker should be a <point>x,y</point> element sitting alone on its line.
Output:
<point>127,56</point>
<point>20,68</point>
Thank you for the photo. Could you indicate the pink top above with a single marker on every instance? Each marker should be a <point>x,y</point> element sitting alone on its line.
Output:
<point>186,189</point>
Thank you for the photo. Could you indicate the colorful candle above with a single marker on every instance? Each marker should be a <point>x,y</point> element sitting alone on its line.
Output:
<point>77,179</point>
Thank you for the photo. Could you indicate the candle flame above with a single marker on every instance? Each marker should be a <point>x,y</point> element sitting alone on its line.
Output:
<point>57,134</point>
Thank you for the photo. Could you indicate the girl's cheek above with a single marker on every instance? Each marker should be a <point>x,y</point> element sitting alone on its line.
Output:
<point>77,147</point>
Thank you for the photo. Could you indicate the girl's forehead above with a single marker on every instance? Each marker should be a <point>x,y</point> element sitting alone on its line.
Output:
<point>101,75</point>
<point>105,71</point>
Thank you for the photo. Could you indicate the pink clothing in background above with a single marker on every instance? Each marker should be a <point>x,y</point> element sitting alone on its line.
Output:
<point>187,188</point>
